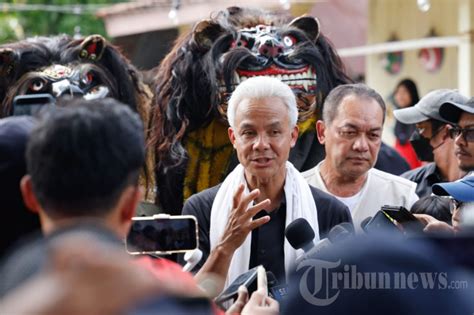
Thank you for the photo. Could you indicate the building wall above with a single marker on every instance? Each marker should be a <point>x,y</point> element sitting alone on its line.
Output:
<point>403,19</point>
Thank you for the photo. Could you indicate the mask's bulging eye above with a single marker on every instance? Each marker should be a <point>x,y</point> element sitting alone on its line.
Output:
<point>37,85</point>
<point>239,43</point>
<point>289,41</point>
<point>88,78</point>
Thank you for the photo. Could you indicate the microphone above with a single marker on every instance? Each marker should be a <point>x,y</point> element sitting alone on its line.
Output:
<point>364,223</point>
<point>192,258</point>
<point>276,290</point>
<point>341,232</point>
<point>300,235</point>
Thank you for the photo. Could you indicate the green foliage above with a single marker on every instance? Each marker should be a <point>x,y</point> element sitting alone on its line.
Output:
<point>16,24</point>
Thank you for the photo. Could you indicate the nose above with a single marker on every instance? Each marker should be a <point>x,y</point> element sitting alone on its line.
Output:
<point>71,91</point>
<point>361,144</point>
<point>261,143</point>
<point>270,48</point>
<point>459,140</point>
<point>66,88</point>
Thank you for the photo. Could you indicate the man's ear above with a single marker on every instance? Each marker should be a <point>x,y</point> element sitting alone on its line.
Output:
<point>132,197</point>
<point>445,132</point>
<point>294,135</point>
<point>231,134</point>
<point>321,130</point>
<point>29,197</point>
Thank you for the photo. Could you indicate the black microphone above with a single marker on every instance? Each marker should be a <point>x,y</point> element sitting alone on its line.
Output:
<point>341,232</point>
<point>300,235</point>
<point>364,223</point>
<point>276,290</point>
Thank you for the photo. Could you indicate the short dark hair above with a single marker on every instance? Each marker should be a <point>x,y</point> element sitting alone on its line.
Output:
<point>82,155</point>
<point>337,95</point>
<point>435,206</point>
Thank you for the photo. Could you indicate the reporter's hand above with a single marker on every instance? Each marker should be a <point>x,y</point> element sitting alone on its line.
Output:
<point>238,305</point>
<point>433,225</point>
<point>261,304</point>
<point>240,222</point>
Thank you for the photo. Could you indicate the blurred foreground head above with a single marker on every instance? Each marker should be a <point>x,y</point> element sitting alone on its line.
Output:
<point>82,159</point>
<point>14,133</point>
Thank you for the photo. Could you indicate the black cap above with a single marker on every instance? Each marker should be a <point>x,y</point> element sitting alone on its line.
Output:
<point>451,111</point>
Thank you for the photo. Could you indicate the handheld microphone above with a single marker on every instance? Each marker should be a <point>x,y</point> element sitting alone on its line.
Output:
<point>300,235</point>
<point>340,233</point>
<point>364,223</point>
<point>192,258</point>
<point>276,290</point>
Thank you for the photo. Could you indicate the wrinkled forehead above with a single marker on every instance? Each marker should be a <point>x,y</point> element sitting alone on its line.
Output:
<point>361,109</point>
<point>466,120</point>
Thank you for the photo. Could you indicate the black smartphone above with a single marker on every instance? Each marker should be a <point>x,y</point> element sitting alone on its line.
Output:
<point>247,279</point>
<point>380,222</point>
<point>31,104</point>
<point>162,234</point>
<point>408,221</point>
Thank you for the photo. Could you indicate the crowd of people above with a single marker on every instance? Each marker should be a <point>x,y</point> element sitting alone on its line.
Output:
<point>70,179</point>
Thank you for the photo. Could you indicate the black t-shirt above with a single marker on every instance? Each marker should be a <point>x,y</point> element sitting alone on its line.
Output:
<point>425,177</point>
<point>331,212</point>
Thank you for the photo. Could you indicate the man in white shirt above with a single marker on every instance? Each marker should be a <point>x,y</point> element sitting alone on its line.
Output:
<point>351,130</point>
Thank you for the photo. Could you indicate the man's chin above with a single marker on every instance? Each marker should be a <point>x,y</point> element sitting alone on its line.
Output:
<point>466,167</point>
<point>356,171</point>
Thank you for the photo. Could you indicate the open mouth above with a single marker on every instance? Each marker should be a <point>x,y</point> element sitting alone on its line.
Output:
<point>263,161</point>
<point>303,79</point>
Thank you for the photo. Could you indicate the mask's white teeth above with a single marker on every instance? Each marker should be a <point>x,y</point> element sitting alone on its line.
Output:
<point>236,78</point>
<point>305,85</point>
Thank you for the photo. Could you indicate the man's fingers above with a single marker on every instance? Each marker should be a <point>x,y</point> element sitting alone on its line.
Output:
<point>244,202</point>
<point>237,196</point>
<point>258,222</point>
<point>424,218</point>
<point>253,210</point>
<point>273,304</point>
<point>238,305</point>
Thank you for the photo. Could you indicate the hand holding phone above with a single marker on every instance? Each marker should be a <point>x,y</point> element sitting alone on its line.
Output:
<point>262,283</point>
<point>162,234</point>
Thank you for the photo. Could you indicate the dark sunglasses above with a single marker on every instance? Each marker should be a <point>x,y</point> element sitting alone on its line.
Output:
<point>467,134</point>
<point>453,204</point>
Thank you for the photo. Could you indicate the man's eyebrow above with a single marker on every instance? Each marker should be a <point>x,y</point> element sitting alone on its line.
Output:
<point>349,125</point>
<point>275,124</point>
<point>352,126</point>
<point>376,129</point>
<point>246,125</point>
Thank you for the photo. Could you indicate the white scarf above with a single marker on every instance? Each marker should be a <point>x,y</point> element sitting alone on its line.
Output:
<point>299,204</point>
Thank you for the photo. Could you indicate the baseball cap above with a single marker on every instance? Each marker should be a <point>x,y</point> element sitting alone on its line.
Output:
<point>429,106</point>
<point>452,110</point>
<point>462,189</point>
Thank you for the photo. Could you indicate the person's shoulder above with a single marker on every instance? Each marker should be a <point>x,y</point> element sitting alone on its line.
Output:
<point>419,172</point>
<point>327,201</point>
<point>204,195</point>
<point>309,173</point>
<point>201,201</point>
<point>387,177</point>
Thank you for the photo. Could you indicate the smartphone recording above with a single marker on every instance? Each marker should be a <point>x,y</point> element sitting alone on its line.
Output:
<point>32,104</point>
<point>162,234</point>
